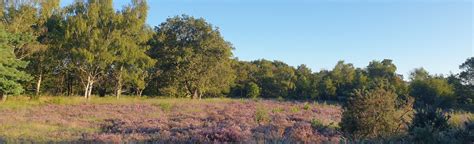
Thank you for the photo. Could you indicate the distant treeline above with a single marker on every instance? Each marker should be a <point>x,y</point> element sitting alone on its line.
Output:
<point>88,48</point>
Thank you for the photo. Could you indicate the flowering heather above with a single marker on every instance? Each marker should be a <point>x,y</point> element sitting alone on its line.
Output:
<point>170,121</point>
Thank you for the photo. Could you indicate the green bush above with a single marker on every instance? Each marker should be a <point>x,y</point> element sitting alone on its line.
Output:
<point>261,115</point>
<point>307,106</point>
<point>370,114</point>
<point>165,106</point>
<point>253,91</point>
<point>315,123</point>
<point>294,109</point>
<point>278,110</point>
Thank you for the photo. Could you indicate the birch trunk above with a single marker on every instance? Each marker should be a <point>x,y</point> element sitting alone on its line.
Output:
<point>118,88</point>
<point>38,84</point>
<point>90,90</point>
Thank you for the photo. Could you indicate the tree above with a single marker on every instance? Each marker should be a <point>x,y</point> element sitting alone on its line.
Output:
<point>20,18</point>
<point>253,91</point>
<point>10,75</point>
<point>467,74</point>
<point>342,76</point>
<point>419,74</point>
<point>304,87</point>
<point>431,90</point>
<point>276,78</point>
<point>370,114</point>
<point>39,60</point>
<point>384,72</point>
<point>465,82</point>
<point>328,89</point>
<point>90,34</point>
<point>132,63</point>
<point>244,74</point>
<point>432,94</point>
<point>194,57</point>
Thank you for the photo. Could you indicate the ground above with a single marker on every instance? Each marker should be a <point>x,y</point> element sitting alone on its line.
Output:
<point>132,119</point>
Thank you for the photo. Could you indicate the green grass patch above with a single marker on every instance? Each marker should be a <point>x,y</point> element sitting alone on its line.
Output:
<point>261,115</point>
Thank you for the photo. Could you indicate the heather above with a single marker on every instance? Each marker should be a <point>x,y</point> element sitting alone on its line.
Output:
<point>133,119</point>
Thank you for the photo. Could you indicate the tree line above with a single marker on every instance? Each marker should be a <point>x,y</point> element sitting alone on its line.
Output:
<point>89,48</point>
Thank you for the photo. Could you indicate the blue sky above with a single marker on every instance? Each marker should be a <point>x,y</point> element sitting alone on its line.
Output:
<point>434,34</point>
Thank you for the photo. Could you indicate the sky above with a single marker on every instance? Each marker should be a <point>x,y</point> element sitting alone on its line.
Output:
<point>437,35</point>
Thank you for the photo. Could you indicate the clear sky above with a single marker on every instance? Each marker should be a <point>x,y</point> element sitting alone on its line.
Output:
<point>434,34</point>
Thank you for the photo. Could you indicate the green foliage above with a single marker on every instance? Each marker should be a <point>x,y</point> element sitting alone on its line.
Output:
<point>328,89</point>
<point>370,114</point>
<point>430,125</point>
<point>434,91</point>
<point>253,91</point>
<point>467,74</point>
<point>276,78</point>
<point>10,73</point>
<point>165,106</point>
<point>307,106</point>
<point>261,115</point>
<point>315,123</point>
<point>294,109</point>
<point>278,110</point>
<point>305,85</point>
<point>194,56</point>
<point>464,83</point>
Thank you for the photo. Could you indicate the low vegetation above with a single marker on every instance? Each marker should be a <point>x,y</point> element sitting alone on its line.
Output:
<point>132,119</point>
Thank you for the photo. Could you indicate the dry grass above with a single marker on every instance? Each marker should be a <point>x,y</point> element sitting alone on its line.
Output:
<point>132,119</point>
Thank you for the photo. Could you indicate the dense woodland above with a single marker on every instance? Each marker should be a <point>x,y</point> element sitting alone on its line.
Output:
<point>89,48</point>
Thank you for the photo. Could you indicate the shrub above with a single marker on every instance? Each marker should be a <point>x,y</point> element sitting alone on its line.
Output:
<point>261,115</point>
<point>165,106</point>
<point>315,123</point>
<point>306,106</point>
<point>430,125</point>
<point>295,109</point>
<point>370,115</point>
<point>278,110</point>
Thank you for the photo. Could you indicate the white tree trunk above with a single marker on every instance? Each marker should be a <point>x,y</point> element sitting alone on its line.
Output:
<point>118,88</point>
<point>90,90</point>
<point>86,90</point>
<point>4,98</point>
<point>38,84</point>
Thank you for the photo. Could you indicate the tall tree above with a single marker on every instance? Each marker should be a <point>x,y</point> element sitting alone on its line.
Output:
<point>433,91</point>
<point>19,18</point>
<point>467,74</point>
<point>276,78</point>
<point>10,75</point>
<point>194,57</point>
<point>304,83</point>
<point>38,60</point>
<point>132,64</point>
<point>343,77</point>
<point>384,72</point>
<point>90,33</point>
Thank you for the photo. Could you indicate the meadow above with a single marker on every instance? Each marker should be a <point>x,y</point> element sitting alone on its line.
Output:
<point>172,120</point>
<point>135,119</point>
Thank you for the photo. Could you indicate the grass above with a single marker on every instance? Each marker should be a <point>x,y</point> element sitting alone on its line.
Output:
<point>62,119</point>
<point>261,115</point>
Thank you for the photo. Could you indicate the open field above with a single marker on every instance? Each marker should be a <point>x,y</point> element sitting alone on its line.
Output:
<point>74,119</point>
